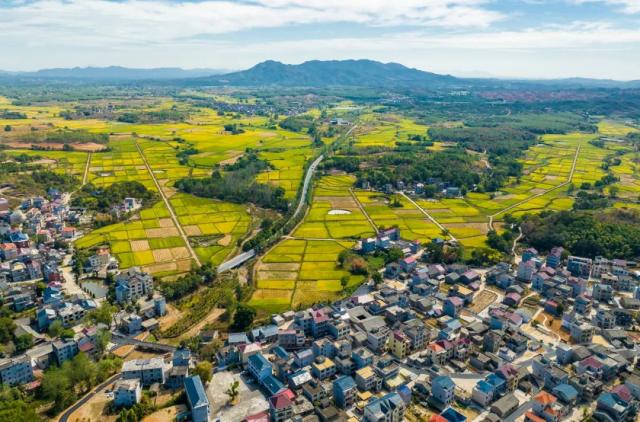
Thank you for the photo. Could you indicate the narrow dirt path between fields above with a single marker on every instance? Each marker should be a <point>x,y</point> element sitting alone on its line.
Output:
<point>85,176</point>
<point>537,195</point>
<point>433,220</point>
<point>366,214</point>
<point>169,207</point>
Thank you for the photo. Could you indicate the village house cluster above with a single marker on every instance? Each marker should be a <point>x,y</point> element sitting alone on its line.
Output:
<point>422,338</point>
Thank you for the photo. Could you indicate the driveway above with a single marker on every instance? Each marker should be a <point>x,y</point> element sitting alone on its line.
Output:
<point>250,401</point>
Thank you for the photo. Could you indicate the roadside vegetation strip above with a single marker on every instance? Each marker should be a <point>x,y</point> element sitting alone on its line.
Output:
<point>169,207</point>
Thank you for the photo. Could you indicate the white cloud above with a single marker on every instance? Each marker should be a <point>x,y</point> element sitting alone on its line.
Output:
<point>625,6</point>
<point>146,21</point>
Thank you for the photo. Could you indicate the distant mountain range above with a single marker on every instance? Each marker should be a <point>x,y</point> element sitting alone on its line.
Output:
<point>115,73</point>
<point>315,73</point>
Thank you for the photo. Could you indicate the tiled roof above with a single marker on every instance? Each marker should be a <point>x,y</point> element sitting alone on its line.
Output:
<point>545,398</point>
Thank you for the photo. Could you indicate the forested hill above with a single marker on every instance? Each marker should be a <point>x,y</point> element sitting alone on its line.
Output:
<point>315,73</point>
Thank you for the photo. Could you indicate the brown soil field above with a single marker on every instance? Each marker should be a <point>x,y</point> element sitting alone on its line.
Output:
<point>162,255</point>
<point>277,275</point>
<point>225,240</point>
<point>161,267</point>
<point>139,245</point>
<point>184,265</point>
<point>192,230</point>
<point>180,252</point>
<point>279,266</point>
<point>162,232</point>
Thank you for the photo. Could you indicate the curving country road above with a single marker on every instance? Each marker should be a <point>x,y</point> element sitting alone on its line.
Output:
<point>305,185</point>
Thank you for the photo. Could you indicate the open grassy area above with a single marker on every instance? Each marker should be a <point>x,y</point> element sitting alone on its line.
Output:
<point>386,130</point>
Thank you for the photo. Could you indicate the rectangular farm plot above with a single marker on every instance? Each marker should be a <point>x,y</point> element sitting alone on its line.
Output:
<point>133,243</point>
<point>413,224</point>
<point>311,274</point>
<point>334,214</point>
<point>122,163</point>
<point>213,226</point>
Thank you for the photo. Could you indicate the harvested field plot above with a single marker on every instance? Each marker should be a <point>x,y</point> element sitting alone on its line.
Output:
<point>157,250</point>
<point>214,227</point>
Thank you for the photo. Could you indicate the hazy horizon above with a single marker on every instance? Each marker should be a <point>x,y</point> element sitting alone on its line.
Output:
<point>530,39</point>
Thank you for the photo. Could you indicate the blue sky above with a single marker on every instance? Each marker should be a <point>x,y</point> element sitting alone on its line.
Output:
<point>505,38</point>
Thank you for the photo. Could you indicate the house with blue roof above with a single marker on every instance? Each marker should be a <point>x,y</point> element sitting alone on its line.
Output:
<point>611,407</point>
<point>442,388</point>
<point>452,415</point>
<point>488,390</point>
<point>272,385</point>
<point>303,358</point>
<point>566,393</point>
<point>499,384</point>
<point>280,352</point>
<point>197,399</point>
<point>21,240</point>
<point>483,393</point>
<point>387,408</point>
<point>345,391</point>
<point>265,334</point>
<point>259,367</point>
<point>237,339</point>
<point>405,393</point>
<point>182,357</point>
